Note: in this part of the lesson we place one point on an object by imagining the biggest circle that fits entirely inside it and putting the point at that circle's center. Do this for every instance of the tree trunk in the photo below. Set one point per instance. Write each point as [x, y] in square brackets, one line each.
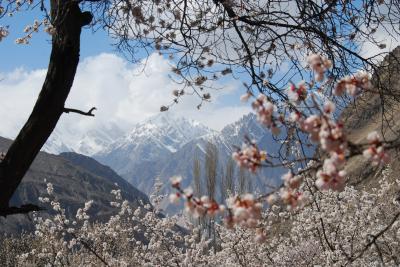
[68, 21]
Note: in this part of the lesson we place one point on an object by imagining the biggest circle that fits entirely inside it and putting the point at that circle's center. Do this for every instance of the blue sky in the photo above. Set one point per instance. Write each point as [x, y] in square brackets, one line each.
[36, 54]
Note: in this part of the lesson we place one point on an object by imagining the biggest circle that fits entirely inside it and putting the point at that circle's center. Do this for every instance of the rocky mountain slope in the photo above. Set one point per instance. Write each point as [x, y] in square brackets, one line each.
[367, 114]
[76, 180]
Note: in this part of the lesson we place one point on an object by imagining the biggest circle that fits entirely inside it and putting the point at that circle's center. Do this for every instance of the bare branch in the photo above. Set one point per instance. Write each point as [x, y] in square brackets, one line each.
[72, 110]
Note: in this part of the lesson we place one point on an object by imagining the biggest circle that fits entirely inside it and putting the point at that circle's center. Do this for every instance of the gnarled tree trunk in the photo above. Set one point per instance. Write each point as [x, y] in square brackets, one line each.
[68, 21]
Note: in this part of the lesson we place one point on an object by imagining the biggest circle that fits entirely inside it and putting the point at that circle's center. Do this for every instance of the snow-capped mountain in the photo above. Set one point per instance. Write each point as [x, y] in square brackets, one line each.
[165, 145]
[56, 143]
[63, 139]
[143, 151]
[227, 141]
[164, 131]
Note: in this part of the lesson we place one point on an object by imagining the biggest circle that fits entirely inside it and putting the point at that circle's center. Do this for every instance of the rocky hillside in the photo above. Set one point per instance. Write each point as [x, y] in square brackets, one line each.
[76, 180]
[376, 111]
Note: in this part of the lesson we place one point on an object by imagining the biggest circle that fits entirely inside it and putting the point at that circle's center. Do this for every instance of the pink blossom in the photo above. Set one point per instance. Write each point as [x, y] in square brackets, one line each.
[245, 211]
[249, 157]
[312, 125]
[291, 181]
[293, 198]
[272, 199]
[329, 107]
[265, 111]
[297, 93]
[376, 151]
[245, 97]
[332, 176]
[319, 64]
[353, 85]
[174, 198]
[176, 180]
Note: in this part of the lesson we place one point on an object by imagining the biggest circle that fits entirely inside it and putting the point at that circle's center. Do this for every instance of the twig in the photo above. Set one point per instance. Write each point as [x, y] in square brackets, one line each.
[88, 247]
[373, 238]
[89, 113]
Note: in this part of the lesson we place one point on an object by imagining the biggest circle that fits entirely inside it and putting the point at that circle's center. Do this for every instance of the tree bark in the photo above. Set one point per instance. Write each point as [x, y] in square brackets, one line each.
[68, 21]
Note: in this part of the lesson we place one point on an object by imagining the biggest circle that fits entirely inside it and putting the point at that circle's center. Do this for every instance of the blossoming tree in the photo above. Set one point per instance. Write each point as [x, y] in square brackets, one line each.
[356, 231]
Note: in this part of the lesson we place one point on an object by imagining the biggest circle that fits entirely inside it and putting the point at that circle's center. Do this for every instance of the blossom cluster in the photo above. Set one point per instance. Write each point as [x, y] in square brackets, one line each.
[265, 113]
[297, 93]
[81, 213]
[319, 123]
[34, 28]
[198, 207]
[332, 176]
[203, 206]
[376, 151]
[249, 156]
[354, 84]
[319, 64]
[244, 211]
[178, 93]
[3, 33]
[132, 236]
[329, 134]
[290, 193]
[337, 231]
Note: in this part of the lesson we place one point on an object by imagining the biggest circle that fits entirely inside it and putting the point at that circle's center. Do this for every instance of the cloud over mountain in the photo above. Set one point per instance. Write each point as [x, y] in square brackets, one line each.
[124, 94]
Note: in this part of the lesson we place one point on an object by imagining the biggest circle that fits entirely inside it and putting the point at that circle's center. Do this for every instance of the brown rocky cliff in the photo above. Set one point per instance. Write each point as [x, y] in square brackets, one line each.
[375, 111]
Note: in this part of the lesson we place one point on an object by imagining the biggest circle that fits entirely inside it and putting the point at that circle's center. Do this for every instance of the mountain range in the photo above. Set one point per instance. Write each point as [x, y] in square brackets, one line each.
[165, 145]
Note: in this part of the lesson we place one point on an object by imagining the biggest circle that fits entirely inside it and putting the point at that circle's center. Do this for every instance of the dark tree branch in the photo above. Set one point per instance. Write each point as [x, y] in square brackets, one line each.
[20, 210]
[89, 113]
[88, 247]
[374, 237]
[68, 21]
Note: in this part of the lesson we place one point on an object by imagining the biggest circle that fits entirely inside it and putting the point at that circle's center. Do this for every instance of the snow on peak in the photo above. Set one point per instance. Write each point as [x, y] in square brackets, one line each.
[88, 143]
[163, 132]
[166, 130]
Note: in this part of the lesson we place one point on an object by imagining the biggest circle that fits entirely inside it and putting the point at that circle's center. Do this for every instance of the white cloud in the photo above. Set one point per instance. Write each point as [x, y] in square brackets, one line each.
[387, 36]
[18, 92]
[217, 118]
[369, 49]
[122, 93]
